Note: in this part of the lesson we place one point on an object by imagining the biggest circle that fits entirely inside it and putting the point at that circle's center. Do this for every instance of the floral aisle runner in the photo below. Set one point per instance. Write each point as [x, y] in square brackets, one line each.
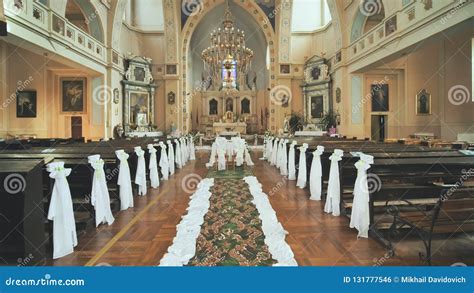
[237, 227]
[232, 231]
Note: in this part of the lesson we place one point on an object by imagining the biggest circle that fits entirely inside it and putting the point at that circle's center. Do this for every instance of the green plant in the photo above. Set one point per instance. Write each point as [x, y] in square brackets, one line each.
[329, 119]
[296, 122]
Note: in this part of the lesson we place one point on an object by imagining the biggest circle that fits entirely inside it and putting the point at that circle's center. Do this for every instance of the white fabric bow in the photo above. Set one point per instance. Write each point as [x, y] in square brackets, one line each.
[192, 149]
[274, 152]
[184, 151]
[360, 217]
[170, 157]
[269, 148]
[333, 198]
[153, 167]
[291, 162]
[164, 164]
[248, 159]
[100, 197]
[178, 154]
[140, 176]
[284, 159]
[301, 183]
[61, 211]
[124, 181]
[315, 184]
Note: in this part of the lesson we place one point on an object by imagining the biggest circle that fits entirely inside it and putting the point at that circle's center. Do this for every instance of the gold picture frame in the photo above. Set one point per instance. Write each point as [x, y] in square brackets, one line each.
[423, 103]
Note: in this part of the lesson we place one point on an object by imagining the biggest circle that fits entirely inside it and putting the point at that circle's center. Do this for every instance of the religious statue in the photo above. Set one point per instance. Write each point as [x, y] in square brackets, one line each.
[286, 124]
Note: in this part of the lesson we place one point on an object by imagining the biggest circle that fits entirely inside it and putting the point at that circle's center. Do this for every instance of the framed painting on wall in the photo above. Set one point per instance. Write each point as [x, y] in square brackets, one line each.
[423, 103]
[379, 93]
[26, 104]
[73, 95]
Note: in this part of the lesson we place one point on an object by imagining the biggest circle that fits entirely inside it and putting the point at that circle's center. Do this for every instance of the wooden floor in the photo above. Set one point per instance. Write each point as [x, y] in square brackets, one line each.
[141, 236]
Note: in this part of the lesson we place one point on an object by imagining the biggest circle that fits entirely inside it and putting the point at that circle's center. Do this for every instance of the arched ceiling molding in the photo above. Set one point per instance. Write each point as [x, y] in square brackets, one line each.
[336, 23]
[285, 31]
[251, 7]
[93, 12]
[363, 11]
[116, 25]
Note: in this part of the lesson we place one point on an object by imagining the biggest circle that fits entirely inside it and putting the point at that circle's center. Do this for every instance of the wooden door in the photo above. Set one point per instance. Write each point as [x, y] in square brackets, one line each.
[76, 127]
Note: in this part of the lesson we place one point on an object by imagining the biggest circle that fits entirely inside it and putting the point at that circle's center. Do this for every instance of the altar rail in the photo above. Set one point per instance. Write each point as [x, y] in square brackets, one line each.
[50, 24]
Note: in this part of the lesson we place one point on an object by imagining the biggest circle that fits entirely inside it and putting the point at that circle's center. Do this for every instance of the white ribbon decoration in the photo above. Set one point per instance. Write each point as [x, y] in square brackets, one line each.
[184, 151]
[221, 159]
[170, 157]
[291, 162]
[248, 158]
[177, 154]
[301, 183]
[333, 198]
[192, 149]
[124, 181]
[61, 211]
[140, 176]
[269, 149]
[315, 175]
[164, 164]
[153, 167]
[212, 158]
[100, 197]
[360, 218]
[274, 152]
[284, 159]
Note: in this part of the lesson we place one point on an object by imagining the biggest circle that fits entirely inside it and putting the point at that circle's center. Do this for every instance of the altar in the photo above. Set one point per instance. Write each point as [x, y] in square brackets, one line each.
[229, 127]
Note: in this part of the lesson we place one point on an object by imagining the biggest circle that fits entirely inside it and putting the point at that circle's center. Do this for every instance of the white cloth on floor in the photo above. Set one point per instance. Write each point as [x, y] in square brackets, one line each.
[170, 157]
[177, 154]
[284, 159]
[164, 164]
[124, 181]
[291, 161]
[301, 183]
[61, 211]
[274, 152]
[153, 167]
[192, 149]
[333, 198]
[100, 197]
[140, 176]
[360, 218]
[316, 173]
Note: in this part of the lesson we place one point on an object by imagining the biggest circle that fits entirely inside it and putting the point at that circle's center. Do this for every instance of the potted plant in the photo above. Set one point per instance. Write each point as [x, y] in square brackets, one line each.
[329, 120]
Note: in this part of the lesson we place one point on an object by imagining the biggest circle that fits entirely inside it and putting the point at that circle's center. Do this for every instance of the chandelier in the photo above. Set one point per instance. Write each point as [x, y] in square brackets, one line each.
[227, 59]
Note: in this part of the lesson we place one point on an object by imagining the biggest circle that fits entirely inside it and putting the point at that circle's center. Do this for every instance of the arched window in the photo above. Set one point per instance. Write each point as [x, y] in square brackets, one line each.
[245, 106]
[309, 15]
[213, 107]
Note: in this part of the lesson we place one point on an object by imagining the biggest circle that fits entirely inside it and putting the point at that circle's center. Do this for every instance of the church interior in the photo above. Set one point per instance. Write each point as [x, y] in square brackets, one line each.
[236, 133]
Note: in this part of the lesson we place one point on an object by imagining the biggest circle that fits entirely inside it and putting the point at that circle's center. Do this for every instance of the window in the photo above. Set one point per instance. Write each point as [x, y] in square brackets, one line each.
[309, 15]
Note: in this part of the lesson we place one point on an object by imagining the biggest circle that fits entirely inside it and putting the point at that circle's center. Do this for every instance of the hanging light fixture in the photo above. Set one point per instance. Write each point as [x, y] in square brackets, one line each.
[227, 59]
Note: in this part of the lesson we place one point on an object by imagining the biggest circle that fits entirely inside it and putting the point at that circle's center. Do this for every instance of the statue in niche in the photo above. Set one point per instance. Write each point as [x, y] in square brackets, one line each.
[245, 106]
[286, 124]
[229, 105]
[213, 107]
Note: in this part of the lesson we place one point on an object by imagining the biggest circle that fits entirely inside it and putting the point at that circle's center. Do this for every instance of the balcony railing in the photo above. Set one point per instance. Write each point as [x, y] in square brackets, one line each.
[39, 17]
[411, 15]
